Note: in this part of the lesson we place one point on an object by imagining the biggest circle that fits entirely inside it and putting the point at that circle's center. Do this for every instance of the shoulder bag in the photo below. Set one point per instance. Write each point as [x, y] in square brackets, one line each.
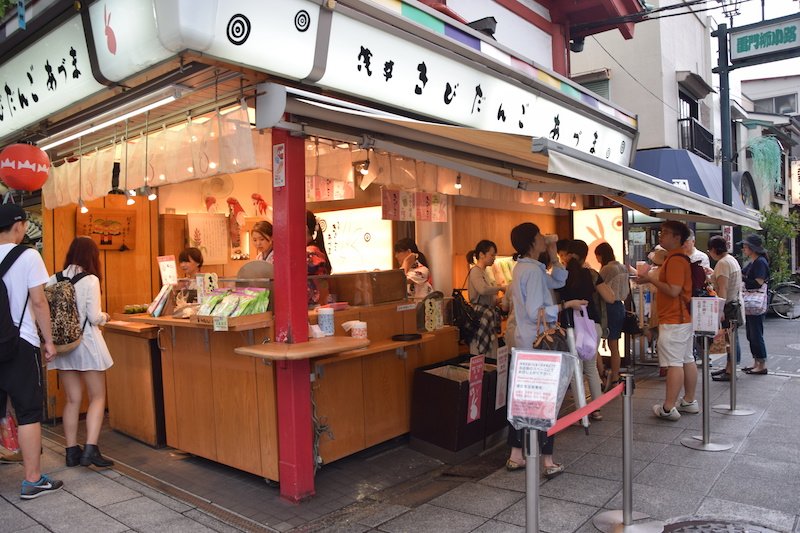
[755, 300]
[550, 337]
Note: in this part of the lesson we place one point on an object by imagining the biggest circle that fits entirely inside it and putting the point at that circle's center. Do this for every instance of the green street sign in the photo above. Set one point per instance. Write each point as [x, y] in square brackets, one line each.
[764, 38]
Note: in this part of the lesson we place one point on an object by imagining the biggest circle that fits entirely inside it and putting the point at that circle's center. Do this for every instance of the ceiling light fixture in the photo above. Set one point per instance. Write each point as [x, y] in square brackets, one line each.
[363, 167]
[139, 106]
[541, 198]
[553, 199]
[458, 182]
[573, 203]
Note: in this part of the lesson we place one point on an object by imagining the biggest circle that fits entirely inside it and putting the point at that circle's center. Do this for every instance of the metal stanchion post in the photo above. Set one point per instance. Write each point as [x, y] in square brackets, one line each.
[609, 521]
[704, 442]
[731, 409]
[531, 442]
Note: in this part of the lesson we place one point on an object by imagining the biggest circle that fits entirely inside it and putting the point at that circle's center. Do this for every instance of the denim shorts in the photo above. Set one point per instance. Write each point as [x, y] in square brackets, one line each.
[615, 316]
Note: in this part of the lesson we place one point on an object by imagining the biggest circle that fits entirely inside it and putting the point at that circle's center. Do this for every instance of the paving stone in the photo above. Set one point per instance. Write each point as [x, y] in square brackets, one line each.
[378, 513]
[660, 431]
[758, 492]
[495, 526]
[581, 489]
[38, 528]
[99, 491]
[733, 440]
[690, 480]
[728, 510]
[183, 525]
[13, 519]
[477, 499]
[160, 497]
[141, 513]
[555, 516]
[63, 512]
[679, 455]
[642, 451]
[768, 449]
[776, 470]
[658, 503]
[603, 466]
[573, 439]
[431, 518]
[210, 522]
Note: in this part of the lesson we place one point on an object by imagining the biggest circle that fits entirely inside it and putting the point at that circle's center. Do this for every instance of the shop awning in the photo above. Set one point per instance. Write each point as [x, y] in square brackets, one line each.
[515, 161]
[685, 170]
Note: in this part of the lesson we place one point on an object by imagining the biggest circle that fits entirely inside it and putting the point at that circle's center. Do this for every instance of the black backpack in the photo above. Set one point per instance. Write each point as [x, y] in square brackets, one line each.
[9, 330]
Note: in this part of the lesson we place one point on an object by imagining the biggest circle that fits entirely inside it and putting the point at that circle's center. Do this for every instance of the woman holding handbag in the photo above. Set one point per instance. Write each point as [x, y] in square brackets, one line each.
[755, 275]
[88, 362]
[530, 293]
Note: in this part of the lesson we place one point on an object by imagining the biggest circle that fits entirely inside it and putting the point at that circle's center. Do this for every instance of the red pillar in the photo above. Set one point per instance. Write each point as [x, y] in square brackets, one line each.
[295, 452]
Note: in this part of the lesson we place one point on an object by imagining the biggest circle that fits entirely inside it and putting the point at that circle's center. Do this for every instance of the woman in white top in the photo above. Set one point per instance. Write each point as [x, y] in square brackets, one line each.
[86, 363]
[415, 265]
[728, 284]
[262, 238]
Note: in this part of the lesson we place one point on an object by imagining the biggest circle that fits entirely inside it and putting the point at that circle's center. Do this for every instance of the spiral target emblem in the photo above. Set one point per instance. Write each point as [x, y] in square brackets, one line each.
[238, 29]
[367, 237]
[302, 20]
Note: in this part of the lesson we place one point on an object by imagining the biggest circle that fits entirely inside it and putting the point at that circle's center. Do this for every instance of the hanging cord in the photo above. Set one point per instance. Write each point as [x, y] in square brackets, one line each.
[320, 428]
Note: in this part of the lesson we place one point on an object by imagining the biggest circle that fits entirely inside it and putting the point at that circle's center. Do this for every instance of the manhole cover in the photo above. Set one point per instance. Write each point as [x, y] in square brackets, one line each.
[714, 526]
[793, 346]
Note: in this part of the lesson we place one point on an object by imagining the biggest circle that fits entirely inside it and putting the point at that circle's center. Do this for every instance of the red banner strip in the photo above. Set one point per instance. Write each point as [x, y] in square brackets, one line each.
[574, 416]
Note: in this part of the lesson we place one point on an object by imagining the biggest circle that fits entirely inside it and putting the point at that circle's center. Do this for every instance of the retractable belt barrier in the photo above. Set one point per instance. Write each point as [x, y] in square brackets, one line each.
[592, 406]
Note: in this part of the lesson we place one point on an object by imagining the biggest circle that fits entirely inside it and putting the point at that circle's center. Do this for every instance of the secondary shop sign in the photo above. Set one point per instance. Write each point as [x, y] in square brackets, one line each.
[534, 386]
[762, 39]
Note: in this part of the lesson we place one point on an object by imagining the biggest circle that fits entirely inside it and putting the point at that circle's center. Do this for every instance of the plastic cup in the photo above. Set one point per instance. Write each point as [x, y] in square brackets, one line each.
[325, 320]
[642, 267]
[359, 330]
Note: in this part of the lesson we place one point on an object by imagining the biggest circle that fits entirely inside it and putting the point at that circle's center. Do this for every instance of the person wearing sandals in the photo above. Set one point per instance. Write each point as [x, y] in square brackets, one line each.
[531, 291]
[755, 274]
[87, 363]
[728, 284]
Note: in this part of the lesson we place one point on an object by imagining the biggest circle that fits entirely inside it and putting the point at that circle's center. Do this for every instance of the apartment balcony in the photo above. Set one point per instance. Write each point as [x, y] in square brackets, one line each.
[695, 138]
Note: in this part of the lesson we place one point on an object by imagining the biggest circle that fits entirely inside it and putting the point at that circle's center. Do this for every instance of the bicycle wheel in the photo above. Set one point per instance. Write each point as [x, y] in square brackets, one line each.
[786, 301]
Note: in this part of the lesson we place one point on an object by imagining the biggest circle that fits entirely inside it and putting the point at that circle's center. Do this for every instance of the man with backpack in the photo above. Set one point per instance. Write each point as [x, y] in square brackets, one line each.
[673, 281]
[22, 298]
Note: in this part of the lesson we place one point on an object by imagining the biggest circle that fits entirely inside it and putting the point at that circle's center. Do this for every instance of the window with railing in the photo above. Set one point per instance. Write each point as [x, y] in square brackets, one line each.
[695, 138]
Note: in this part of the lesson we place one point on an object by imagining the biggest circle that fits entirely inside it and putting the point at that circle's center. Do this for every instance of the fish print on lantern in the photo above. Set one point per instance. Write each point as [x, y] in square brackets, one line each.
[449, 92]
[555, 133]
[388, 67]
[365, 56]
[577, 137]
[501, 115]
[423, 77]
[478, 100]
[594, 144]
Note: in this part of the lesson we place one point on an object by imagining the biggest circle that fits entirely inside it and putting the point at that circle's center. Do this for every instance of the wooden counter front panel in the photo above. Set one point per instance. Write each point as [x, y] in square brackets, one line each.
[266, 388]
[194, 398]
[131, 403]
[164, 340]
[235, 403]
[385, 397]
[338, 393]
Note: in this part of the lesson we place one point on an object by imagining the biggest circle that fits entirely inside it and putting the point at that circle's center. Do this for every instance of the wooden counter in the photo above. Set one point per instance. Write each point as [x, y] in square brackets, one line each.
[220, 387]
[134, 383]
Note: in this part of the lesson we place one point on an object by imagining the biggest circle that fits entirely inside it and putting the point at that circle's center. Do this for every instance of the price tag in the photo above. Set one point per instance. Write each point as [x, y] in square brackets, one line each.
[220, 323]
[406, 307]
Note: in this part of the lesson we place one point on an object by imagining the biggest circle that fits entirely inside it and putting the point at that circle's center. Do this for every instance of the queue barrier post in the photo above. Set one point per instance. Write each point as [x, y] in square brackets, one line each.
[703, 442]
[623, 521]
[532, 480]
[731, 408]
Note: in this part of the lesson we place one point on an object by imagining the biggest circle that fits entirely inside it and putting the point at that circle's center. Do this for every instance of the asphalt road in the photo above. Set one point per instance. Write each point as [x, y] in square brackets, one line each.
[783, 346]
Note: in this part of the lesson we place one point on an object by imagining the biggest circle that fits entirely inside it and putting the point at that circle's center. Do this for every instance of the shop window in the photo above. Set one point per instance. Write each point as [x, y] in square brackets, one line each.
[781, 105]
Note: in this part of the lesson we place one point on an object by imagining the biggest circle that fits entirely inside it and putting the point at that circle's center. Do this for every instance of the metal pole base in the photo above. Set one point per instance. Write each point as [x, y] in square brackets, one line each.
[611, 521]
[696, 443]
[725, 409]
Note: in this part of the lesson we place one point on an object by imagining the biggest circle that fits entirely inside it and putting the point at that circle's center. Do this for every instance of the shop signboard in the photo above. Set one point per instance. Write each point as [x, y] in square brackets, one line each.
[794, 182]
[51, 74]
[370, 62]
[755, 40]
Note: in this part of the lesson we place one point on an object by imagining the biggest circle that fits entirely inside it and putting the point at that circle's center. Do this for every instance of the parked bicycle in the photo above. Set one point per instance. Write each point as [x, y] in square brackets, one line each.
[784, 299]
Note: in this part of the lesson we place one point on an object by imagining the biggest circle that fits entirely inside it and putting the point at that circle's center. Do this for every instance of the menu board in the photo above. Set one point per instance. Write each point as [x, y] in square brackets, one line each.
[420, 206]
[209, 233]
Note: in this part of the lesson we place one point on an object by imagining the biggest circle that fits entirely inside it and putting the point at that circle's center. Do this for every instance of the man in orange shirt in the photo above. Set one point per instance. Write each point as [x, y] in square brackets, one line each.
[673, 281]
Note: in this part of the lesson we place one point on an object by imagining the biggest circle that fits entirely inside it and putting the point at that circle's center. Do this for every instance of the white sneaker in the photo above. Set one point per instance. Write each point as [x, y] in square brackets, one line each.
[672, 415]
[688, 407]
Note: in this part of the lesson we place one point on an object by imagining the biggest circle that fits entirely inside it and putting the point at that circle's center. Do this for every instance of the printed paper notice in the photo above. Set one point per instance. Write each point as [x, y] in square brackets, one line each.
[705, 315]
[476, 365]
[209, 233]
[534, 385]
[502, 378]
[168, 269]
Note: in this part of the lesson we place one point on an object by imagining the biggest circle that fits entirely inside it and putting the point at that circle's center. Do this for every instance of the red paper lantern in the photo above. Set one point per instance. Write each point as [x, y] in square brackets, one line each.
[24, 167]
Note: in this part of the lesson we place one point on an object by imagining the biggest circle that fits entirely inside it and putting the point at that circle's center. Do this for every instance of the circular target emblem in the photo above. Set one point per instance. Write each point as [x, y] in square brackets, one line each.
[323, 226]
[367, 237]
[302, 20]
[238, 29]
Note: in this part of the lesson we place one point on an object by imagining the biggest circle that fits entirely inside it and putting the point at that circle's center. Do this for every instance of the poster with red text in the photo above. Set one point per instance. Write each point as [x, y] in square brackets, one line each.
[424, 207]
[476, 365]
[534, 385]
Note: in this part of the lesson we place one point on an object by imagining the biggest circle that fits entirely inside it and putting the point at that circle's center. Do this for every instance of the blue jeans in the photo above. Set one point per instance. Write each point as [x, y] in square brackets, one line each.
[755, 336]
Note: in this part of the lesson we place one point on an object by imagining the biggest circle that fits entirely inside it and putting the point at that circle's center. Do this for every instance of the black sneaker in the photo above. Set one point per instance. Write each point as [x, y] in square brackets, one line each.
[43, 486]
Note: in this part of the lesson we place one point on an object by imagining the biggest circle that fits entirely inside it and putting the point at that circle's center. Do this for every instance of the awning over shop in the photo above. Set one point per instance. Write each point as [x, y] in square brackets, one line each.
[684, 170]
[515, 161]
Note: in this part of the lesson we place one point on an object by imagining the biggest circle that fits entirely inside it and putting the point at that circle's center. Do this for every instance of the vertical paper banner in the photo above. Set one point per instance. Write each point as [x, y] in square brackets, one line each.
[424, 207]
[475, 387]
[407, 209]
[438, 207]
[502, 378]
[390, 203]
